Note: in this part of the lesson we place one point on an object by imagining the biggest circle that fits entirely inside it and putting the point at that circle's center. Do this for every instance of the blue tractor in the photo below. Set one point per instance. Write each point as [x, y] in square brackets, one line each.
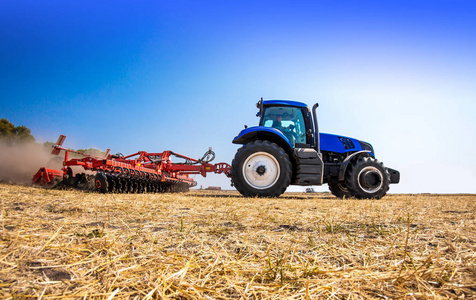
[287, 149]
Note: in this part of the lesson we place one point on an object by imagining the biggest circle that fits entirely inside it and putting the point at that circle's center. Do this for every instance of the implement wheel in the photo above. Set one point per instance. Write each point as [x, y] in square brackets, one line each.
[367, 178]
[262, 169]
[100, 182]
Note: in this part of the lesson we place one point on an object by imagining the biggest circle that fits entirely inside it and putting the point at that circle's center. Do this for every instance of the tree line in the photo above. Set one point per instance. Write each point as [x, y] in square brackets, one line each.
[12, 134]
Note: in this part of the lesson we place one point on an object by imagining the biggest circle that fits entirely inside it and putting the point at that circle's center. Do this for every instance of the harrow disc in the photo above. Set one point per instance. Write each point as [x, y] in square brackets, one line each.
[111, 187]
[68, 178]
[118, 184]
[134, 186]
[82, 181]
[101, 183]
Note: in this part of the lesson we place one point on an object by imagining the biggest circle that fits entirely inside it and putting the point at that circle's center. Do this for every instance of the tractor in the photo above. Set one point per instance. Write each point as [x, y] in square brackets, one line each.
[288, 149]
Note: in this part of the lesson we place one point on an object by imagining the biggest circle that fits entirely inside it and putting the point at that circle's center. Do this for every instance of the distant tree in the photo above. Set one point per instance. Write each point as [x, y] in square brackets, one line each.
[12, 133]
[23, 133]
[6, 128]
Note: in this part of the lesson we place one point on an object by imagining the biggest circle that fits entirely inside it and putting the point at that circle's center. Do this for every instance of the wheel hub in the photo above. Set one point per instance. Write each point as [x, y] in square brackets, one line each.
[261, 170]
[370, 179]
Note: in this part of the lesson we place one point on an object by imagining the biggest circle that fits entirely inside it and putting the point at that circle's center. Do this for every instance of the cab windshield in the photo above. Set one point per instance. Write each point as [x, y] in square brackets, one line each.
[288, 120]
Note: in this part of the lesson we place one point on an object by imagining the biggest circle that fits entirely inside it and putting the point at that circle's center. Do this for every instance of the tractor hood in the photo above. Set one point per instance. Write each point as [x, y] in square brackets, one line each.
[342, 144]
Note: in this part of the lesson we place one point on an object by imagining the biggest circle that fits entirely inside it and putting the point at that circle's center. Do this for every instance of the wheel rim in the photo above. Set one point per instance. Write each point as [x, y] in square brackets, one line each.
[370, 179]
[261, 170]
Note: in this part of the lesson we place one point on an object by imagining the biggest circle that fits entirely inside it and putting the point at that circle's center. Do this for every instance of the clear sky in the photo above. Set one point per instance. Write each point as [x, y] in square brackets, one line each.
[185, 75]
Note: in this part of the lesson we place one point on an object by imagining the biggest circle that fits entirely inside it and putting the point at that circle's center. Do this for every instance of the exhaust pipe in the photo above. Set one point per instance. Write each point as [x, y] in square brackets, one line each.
[317, 140]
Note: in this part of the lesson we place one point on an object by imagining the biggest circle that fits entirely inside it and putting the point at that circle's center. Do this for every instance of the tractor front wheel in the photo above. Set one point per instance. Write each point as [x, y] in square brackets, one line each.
[367, 178]
[262, 169]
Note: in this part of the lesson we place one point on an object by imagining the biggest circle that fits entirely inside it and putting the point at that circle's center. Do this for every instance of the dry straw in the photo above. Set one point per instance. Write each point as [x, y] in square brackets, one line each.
[204, 245]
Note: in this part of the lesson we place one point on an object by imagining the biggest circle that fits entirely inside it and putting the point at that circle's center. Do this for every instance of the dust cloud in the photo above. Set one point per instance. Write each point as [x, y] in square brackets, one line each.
[20, 161]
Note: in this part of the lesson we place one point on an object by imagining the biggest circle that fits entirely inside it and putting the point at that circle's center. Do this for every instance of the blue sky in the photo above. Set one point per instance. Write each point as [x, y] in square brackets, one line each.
[185, 75]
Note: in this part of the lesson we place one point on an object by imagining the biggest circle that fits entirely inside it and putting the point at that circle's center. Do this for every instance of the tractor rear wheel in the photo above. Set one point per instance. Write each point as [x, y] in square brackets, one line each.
[367, 178]
[262, 169]
[339, 190]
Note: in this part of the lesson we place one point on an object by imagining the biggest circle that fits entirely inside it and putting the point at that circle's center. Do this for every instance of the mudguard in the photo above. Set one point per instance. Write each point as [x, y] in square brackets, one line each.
[263, 133]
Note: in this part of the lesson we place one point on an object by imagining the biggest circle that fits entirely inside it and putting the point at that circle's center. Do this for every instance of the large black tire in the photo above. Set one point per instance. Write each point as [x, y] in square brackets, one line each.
[367, 178]
[262, 169]
[339, 190]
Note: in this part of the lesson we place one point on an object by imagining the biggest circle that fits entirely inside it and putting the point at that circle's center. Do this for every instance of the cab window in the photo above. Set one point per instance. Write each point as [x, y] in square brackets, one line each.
[288, 120]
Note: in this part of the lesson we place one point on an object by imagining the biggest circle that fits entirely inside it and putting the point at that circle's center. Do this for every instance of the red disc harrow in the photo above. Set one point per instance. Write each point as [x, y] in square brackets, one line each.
[141, 172]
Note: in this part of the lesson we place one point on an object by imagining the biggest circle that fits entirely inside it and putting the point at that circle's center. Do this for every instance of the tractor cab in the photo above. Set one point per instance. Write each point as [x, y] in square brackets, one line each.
[287, 119]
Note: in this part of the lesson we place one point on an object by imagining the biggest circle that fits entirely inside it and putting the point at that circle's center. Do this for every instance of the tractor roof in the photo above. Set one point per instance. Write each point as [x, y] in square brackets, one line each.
[284, 102]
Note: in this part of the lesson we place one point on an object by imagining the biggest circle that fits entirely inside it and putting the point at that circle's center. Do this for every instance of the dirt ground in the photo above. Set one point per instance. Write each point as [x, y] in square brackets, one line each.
[219, 245]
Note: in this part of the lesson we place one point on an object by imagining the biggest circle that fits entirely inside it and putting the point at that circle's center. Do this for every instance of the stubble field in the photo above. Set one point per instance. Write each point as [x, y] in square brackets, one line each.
[219, 245]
